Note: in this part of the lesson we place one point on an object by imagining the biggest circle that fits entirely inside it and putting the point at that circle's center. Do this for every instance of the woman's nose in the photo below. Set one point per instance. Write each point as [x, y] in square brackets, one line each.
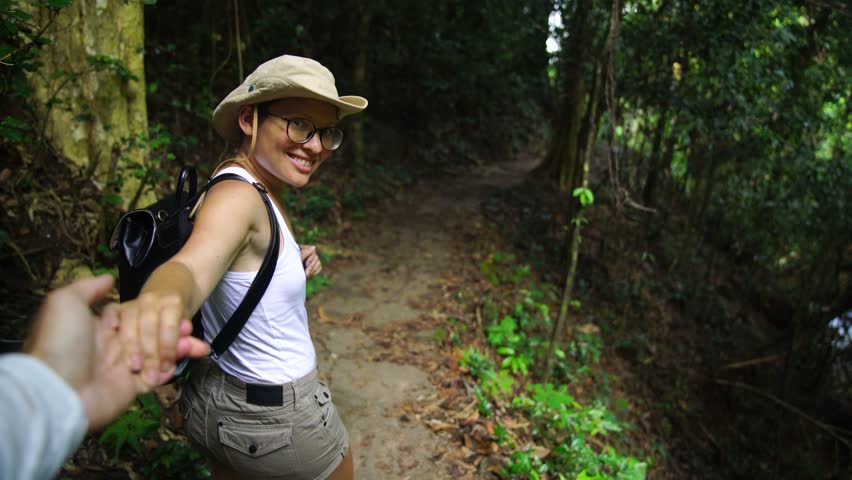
[314, 144]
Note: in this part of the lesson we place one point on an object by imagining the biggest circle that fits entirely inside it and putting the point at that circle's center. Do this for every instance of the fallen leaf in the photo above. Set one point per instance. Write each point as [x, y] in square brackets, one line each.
[540, 451]
[323, 317]
[471, 419]
[438, 425]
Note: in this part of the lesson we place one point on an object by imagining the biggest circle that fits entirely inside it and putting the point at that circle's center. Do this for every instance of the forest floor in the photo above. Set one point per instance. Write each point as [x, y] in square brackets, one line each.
[374, 325]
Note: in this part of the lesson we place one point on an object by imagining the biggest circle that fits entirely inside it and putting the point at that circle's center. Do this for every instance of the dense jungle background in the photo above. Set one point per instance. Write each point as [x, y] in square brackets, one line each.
[632, 219]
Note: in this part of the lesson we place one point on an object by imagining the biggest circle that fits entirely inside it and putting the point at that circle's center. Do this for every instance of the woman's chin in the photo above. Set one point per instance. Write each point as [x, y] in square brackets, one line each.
[299, 180]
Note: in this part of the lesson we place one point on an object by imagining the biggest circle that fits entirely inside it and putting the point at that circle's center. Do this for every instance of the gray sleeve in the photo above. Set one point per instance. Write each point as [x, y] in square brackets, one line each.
[42, 419]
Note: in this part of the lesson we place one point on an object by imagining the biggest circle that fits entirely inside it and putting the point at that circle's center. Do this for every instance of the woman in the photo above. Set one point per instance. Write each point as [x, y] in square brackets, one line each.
[257, 411]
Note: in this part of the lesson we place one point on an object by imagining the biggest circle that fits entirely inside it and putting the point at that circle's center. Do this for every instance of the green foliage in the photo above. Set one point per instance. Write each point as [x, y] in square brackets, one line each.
[483, 404]
[559, 420]
[585, 348]
[106, 63]
[550, 397]
[440, 335]
[139, 422]
[315, 284]
[12, 130]
[443, 94]
[519, 337]
[495, 383]
[136, 429]
[57, 4]
[514, 361]
[174, 459]
[21, 43]
[145, 156]
[501, 268]
[312, 235]
[585, 195]
[524, 464]
[478, 364]
[504, 333]
[311, 204]
[508, 342]
[586, 198]
[369, 183]
[757, 140]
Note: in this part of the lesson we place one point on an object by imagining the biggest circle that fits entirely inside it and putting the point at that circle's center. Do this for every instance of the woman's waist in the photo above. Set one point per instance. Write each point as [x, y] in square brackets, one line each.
[271, 394]
[267, 369]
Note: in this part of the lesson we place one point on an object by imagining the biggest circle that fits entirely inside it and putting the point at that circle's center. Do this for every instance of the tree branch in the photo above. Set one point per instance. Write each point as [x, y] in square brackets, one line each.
[829, 429]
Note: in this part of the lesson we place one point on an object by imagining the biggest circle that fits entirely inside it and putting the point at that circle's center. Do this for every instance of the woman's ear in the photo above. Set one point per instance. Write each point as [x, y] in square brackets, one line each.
[245, 118]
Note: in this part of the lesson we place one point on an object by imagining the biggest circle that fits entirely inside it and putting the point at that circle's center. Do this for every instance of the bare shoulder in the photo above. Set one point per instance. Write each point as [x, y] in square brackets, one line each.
[231, 203]
[224, 225]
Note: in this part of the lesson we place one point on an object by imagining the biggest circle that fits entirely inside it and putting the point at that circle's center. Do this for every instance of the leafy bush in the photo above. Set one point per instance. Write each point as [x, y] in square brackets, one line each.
[138, 430]
[502, 268]
[562, 423]
[569, 436]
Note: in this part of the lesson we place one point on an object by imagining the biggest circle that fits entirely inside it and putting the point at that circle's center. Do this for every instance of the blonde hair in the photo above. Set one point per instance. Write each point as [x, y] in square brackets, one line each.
[241, 159]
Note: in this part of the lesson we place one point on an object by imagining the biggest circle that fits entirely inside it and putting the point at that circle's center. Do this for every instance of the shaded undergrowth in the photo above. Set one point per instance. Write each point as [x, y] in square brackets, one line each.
[689, 354]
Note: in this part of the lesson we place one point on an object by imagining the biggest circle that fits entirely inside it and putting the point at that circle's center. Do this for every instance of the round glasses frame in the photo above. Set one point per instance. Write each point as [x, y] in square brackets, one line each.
[330, 138]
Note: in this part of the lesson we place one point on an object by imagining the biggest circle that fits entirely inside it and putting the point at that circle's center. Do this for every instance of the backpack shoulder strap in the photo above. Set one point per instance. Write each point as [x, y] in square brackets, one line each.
[258, 286]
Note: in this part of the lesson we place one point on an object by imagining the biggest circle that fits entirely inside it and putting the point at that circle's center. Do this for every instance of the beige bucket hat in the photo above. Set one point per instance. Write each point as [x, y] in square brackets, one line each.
[286, 76]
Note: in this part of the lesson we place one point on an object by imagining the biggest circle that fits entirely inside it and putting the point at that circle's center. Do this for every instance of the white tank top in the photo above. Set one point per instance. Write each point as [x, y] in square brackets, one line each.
[274, 346]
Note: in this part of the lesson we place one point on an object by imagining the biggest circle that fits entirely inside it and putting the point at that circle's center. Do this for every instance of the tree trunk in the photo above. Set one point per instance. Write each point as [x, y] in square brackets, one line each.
[565, 149]
[656, 162]
[562, 154]
[636, 158]
[567, 292]
[707, 193]
[359, 80]
[90, 109]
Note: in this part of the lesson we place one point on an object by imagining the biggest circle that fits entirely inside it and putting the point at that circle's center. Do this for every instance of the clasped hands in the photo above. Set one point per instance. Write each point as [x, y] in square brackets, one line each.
[87, 351]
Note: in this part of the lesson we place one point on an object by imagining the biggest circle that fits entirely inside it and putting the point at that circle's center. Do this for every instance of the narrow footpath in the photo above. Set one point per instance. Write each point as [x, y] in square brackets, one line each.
[393, 263]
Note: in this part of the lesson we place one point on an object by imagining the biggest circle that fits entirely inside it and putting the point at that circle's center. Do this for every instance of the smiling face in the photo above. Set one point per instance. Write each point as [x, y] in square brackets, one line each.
[278, 159]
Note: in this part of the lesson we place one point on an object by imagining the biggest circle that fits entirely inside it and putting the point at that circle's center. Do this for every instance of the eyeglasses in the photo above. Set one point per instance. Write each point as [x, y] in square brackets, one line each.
[301, 130]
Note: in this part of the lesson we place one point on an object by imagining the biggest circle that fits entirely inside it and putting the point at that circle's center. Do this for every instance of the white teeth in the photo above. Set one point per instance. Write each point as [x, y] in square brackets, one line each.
[303, 162]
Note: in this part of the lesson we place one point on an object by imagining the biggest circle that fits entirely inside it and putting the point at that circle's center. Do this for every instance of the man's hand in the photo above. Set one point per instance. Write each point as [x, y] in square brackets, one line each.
[63, 332]
[311, 260]
[87, 352]
[112, 387]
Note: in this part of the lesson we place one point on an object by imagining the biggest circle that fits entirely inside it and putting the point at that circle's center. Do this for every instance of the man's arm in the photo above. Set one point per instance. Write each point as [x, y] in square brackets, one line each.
[42, 419]
[75, 378]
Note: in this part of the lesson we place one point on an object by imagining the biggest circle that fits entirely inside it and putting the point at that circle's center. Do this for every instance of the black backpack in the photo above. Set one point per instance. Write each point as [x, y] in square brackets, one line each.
[148, 237]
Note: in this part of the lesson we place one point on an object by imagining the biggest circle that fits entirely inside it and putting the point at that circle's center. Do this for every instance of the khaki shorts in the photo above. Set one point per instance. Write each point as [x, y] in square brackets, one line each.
[282, 432]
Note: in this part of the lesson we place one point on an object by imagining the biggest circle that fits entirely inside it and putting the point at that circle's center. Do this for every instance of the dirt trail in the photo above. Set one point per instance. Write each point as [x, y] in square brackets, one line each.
[401, 253]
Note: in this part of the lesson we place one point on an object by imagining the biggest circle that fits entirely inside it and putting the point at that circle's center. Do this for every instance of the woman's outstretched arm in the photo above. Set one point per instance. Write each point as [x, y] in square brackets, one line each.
[224, 227]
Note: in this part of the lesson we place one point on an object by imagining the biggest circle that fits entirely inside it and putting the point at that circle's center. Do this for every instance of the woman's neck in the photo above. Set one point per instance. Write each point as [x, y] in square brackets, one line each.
[273, 185]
